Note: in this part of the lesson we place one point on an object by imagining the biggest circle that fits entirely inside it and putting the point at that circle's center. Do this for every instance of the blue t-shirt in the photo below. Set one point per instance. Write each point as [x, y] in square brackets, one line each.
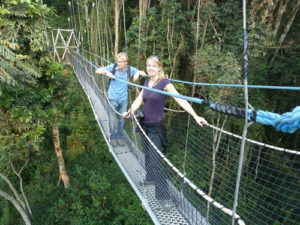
[117, 89]
[154, 102]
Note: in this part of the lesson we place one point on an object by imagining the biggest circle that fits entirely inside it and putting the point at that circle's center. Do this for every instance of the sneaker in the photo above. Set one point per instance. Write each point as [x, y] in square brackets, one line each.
[166, 205]
[113, 143]
[120, 142]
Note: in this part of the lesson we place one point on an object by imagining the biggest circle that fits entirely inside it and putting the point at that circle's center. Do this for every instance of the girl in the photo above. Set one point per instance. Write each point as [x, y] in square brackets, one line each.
[153, 125]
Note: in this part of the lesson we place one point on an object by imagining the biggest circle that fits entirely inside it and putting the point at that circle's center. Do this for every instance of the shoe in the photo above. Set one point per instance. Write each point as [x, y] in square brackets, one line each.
[147, 182]
[167, 205]
[113, 143]
[120, 142]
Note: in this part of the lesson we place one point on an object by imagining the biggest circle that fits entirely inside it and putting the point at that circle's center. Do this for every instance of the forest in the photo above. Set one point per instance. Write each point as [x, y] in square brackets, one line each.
[55, 166]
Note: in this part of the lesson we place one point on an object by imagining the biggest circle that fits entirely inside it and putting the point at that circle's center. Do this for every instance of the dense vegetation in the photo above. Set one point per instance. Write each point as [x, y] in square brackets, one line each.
[38, 94]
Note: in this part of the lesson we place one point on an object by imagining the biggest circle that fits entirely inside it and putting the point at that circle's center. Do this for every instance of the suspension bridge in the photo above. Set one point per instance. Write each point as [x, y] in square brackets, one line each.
[213, 176]
[201, 180]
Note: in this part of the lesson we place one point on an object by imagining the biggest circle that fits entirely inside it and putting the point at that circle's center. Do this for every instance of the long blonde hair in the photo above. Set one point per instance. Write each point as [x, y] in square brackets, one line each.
[156, 59]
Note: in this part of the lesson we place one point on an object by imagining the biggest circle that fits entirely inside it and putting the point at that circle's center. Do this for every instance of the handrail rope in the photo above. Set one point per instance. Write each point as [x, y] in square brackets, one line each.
[190, 183]
[289, 88]
[288, 122]
[249, 140]
[256, 142]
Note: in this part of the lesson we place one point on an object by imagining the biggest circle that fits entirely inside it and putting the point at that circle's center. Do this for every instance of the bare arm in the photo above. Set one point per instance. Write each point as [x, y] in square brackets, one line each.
[135, 105]
[102, 71]
[137, 75]
[185, 105]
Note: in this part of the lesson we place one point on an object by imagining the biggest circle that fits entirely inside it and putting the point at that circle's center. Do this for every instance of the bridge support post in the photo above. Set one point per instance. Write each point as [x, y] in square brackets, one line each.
[60, 45]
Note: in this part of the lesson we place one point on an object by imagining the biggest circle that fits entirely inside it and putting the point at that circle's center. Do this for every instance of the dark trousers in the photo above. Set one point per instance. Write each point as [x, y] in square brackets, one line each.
[153, 162]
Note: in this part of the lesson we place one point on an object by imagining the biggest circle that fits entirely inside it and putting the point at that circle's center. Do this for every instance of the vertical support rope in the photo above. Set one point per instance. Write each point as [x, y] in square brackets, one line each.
[245, 74]
[98, 29]
[139, 40]
[75, 27]
[106, 28]
[124, 21]
[71, 17]
[193, 91]
[79, 24]
[87, 24]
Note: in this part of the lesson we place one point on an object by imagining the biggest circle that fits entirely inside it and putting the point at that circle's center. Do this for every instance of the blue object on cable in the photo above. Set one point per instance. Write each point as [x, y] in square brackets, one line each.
[288, 122]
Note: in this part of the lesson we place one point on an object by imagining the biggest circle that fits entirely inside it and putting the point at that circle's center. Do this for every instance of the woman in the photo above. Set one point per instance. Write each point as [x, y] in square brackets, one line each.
[153, 125]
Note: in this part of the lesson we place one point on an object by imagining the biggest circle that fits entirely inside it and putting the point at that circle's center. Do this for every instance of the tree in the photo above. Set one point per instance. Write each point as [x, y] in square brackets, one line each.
[24, 109]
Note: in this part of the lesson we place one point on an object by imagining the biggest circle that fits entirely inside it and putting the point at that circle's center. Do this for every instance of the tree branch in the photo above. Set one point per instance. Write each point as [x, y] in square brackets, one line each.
[12, 188]
[21, 183]
[17, 206]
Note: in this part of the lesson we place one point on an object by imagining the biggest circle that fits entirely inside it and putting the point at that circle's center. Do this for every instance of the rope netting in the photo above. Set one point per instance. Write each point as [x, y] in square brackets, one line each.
[197, 173]
[269, 189]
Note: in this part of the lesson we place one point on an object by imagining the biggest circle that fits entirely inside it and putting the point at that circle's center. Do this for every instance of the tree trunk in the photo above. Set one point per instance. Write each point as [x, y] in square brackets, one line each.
[287, 28]
[176, 54]
[216, 143]
[116, 26]
[280, 12]
[61, 163]
[143, 8]
[17, 206]
[289, 23]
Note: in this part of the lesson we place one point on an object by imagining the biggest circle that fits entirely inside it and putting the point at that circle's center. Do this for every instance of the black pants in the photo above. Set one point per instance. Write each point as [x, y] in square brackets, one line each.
[153, 162]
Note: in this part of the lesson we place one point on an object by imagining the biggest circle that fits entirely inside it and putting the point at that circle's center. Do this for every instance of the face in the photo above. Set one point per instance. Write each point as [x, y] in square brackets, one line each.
[152, 67]
[121, 62]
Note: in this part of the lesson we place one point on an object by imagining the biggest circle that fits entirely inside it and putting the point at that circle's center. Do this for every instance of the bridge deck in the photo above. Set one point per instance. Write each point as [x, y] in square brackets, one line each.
[132, 165]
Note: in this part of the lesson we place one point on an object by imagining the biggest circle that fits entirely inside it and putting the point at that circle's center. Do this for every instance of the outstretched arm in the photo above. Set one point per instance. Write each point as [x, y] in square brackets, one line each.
[185, 105]
[135, 105]
[102, 71]
[137, 75]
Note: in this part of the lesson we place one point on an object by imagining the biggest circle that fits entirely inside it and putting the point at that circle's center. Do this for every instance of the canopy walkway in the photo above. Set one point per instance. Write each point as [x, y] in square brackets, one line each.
[201, 167]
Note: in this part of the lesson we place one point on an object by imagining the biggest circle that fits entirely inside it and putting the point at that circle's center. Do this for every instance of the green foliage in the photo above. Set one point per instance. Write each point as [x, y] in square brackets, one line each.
[36, 92]
[24, 25]
[216, 66]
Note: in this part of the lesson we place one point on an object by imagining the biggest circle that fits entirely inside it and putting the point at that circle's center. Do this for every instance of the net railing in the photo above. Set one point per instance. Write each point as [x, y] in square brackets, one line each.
[198, 171]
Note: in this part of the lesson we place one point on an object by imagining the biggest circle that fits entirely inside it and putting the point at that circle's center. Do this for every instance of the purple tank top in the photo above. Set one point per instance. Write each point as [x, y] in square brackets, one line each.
[154, 102]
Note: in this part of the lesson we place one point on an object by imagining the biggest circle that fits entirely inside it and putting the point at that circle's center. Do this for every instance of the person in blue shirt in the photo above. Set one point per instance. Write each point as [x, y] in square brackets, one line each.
[118, 94]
